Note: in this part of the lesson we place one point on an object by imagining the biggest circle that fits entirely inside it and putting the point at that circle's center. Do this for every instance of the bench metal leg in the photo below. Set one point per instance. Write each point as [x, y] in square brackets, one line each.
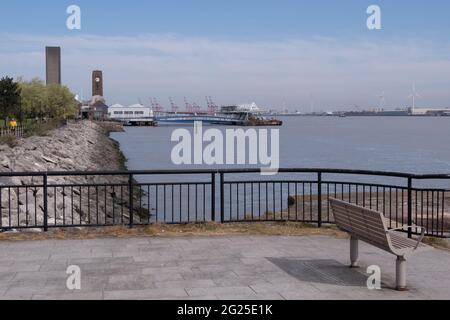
[354, 252]
[401, 274]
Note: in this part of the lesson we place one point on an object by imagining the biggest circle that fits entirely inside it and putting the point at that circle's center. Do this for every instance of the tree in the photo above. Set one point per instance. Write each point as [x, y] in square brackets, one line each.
[52, 101]
[33, 98]
[10, 98]
[60, 101]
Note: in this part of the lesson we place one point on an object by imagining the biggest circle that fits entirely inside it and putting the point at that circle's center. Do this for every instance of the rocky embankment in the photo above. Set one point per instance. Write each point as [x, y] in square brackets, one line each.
[81, 146]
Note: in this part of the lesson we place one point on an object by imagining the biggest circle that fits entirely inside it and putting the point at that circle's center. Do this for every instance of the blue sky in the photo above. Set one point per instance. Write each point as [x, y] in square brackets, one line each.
[251, 19]
[274, 52]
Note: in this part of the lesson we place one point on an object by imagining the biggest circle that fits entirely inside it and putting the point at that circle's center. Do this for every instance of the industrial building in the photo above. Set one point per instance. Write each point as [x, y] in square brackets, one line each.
[53, 65]
[430, 112]
[136, 114]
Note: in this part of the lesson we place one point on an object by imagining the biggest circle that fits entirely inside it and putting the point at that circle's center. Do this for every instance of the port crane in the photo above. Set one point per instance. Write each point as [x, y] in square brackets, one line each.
[212, 107]
[156, 107]
[175, 108]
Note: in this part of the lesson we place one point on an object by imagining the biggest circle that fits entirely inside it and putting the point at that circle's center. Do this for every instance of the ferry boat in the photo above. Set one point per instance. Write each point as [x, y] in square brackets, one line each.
[244, 115]
[234, 115]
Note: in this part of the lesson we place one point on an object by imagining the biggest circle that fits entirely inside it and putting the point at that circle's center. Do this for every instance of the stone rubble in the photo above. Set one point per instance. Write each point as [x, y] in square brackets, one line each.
[80, 146]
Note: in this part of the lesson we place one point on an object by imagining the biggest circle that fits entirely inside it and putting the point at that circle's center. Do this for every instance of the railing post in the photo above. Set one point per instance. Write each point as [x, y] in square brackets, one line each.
[130, 195]
[319, 199]
[45, 182]
[222, 198]
[410, 205]
[213, 197]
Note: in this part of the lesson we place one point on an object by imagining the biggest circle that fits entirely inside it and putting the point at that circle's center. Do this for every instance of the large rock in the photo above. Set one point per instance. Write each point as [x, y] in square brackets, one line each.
[79, 146]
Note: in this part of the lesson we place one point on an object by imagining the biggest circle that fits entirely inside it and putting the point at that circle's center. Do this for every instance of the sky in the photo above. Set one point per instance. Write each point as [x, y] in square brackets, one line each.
[293, 54]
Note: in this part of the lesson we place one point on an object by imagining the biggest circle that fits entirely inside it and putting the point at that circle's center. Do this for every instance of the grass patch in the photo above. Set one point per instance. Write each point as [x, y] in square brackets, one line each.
[195, 230]
[160, 230]
[438, 243]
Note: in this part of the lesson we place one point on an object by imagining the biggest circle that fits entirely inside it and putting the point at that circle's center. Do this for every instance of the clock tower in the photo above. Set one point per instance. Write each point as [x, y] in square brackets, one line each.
[97, 83]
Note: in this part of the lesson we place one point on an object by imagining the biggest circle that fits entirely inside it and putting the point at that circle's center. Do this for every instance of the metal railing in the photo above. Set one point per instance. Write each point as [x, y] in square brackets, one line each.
[47, 200]
[27, 126]
[18, 132]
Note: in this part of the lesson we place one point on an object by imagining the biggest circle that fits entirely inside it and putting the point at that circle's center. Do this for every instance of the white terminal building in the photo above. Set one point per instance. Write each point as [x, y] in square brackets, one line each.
[430, 111]
[134, 114]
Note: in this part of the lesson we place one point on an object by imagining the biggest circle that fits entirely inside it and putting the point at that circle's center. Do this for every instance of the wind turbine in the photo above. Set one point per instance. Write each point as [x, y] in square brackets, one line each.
[413, 96]
[311, 103]
[382, 98]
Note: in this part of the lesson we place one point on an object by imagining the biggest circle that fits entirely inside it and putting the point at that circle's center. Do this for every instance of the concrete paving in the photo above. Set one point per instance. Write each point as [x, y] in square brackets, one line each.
[218, 268]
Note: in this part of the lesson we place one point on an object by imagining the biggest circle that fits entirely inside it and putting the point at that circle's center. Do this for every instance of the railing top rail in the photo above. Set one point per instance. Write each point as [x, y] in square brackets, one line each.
[345, 171]
[227, 171]
[104, 173]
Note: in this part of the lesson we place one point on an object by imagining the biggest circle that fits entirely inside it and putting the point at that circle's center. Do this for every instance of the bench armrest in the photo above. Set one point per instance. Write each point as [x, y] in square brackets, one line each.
[422, 235]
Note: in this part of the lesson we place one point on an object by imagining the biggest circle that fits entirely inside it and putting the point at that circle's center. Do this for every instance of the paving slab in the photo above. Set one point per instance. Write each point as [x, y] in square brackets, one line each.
[213, 268]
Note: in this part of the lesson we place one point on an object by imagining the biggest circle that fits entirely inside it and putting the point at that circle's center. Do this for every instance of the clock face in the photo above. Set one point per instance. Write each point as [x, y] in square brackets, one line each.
[97, 79]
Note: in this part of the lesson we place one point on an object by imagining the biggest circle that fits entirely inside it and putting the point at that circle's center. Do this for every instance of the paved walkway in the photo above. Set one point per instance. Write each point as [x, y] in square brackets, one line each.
[234, 267]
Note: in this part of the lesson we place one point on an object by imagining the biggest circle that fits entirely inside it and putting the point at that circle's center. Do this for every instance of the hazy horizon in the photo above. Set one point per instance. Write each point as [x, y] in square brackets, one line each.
[281, 56]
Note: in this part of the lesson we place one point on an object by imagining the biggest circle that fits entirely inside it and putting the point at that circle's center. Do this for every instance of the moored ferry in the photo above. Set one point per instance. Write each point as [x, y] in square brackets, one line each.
[234, 115]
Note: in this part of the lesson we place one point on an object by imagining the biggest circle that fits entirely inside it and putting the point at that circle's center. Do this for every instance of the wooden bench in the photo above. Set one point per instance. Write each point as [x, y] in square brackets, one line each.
[372, 227]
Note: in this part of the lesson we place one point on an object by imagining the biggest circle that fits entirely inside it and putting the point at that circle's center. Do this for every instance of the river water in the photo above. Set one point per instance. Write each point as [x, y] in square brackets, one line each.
[405, 144]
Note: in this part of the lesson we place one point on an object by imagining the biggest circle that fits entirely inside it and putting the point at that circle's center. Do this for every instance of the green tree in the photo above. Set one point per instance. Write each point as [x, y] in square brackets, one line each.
[52, 101]
[33, 98]
[60, 101]
[10, 98]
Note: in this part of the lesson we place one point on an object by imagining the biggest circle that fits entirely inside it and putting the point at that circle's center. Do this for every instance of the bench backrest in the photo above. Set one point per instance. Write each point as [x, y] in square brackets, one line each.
[364, 224]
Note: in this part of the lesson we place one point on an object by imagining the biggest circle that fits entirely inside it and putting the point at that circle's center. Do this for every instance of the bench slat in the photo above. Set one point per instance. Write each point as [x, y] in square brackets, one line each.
[362, 216]
[400, 242]
[362, 222]
[359, 215]
[365, 224]
[362, 229]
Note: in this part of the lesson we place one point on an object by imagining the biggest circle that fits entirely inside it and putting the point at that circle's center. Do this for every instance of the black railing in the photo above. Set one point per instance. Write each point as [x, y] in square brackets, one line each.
[18, 131]
[92, 199]
[32, 126]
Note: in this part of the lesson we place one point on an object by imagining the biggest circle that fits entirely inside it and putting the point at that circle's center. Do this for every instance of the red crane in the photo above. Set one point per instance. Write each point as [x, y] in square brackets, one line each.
[156, 106]
[196, 108]
[174, 106]
[189, 107]
[153, 104]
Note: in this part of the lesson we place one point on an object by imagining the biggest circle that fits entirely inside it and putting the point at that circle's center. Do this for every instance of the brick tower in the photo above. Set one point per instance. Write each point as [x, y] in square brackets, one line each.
[97, 83]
